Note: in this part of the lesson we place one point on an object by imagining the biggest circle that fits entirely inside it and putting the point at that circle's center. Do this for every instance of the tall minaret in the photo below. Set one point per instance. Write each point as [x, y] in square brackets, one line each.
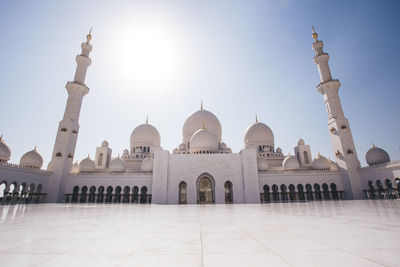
[339, 128]
[67, 134]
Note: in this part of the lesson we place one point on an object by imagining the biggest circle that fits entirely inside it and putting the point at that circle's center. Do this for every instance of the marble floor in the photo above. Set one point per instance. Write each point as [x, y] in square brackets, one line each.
[331, 233]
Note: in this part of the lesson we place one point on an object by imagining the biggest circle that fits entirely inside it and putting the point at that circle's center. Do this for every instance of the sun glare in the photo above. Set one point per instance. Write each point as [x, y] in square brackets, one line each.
[148, 55]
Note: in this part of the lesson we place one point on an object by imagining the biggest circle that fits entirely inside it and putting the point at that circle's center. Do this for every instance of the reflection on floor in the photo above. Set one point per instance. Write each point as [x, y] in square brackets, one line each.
[332, 233]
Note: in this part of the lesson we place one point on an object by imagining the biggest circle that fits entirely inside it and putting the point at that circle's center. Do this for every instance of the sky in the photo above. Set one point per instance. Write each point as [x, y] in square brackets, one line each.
[161, 58]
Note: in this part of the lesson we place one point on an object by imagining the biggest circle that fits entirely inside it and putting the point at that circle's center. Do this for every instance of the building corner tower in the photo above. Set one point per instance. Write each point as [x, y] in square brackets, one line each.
[339, 128]
[67, 133]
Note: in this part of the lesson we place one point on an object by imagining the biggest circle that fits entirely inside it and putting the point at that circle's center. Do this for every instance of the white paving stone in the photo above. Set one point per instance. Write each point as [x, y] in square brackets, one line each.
[332, 233]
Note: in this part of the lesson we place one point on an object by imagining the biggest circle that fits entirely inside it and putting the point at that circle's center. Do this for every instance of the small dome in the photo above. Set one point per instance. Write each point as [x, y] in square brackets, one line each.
[223, 145]
[321, 163]
[203, 140]
[87, 165]
[104, 143]
[31, 159]
[147, 165]
[126, 152]
[75, 167]
[300, 142]
[5, 151]
[334, 166]
[290, 163]
[262, 164]
[259, 133]
[376, 156]
[145, 135]
[182, 146]
[195, 120]
[118, 165]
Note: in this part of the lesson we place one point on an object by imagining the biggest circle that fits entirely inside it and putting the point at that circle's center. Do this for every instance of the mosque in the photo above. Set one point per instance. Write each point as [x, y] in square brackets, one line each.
[202, 169]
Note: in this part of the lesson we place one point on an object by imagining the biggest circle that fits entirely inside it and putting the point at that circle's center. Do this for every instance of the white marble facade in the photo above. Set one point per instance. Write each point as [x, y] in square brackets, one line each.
[202, 169]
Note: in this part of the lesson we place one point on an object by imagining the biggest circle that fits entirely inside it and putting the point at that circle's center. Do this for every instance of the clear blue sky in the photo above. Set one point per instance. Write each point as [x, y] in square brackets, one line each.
[162, 57]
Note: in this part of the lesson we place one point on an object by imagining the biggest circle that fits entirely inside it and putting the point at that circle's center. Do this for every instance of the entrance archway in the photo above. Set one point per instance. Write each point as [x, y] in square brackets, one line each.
[228, 192]
[205, 189]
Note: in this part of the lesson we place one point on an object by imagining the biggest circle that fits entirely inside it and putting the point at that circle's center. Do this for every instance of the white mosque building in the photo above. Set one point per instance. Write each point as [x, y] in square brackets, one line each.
[202, 169]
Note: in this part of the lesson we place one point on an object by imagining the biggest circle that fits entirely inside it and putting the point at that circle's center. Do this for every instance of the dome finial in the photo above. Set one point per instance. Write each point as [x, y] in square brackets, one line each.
[314, 34]
[147, 119]
[34, 149]
[89, 36]
[88, 156]
[256, 118]
[201, 104]
[319, 154]
[373, 145]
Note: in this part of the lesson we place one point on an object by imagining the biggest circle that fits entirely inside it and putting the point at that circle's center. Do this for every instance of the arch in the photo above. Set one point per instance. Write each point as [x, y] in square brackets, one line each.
[182, 192]
[228, 192]
[317, 189]
[334, 191]
[275, 193]
[108, 161]
[325, 190]
[371, 194]
[100, 195]
[31, 192]
[397, 182]
[3, 186]
[381, 191]
[205, 189]
[292, 192]
[143, 194]
[267, 197]
[117, 198]
[75, 192]
[109, 194]
[83, 194]
[125, 198]
[100, 160]
[309, 192]
[284, 192]
[389, 188]
[92, 194]
[300, 190]
[135, 194]
[306, 160]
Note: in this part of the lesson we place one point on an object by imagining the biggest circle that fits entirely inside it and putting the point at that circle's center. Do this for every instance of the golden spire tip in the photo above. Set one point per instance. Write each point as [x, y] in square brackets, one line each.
[201, 104]
[147, 119]
[256, 118]
[373, 145]
[89, 36]
[314, 34]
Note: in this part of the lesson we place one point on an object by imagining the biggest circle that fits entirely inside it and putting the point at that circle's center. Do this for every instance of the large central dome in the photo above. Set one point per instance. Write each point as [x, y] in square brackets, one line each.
[195, 121]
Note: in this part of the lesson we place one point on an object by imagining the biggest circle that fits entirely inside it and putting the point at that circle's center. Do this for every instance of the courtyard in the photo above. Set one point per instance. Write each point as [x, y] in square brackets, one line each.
[326, 233]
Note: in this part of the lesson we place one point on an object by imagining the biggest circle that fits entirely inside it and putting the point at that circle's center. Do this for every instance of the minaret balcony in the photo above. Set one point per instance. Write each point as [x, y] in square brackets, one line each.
[332, 84]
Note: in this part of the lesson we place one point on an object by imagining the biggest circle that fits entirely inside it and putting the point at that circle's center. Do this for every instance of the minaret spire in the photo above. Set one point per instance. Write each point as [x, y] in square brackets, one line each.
[341, 137]
[67, 134]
